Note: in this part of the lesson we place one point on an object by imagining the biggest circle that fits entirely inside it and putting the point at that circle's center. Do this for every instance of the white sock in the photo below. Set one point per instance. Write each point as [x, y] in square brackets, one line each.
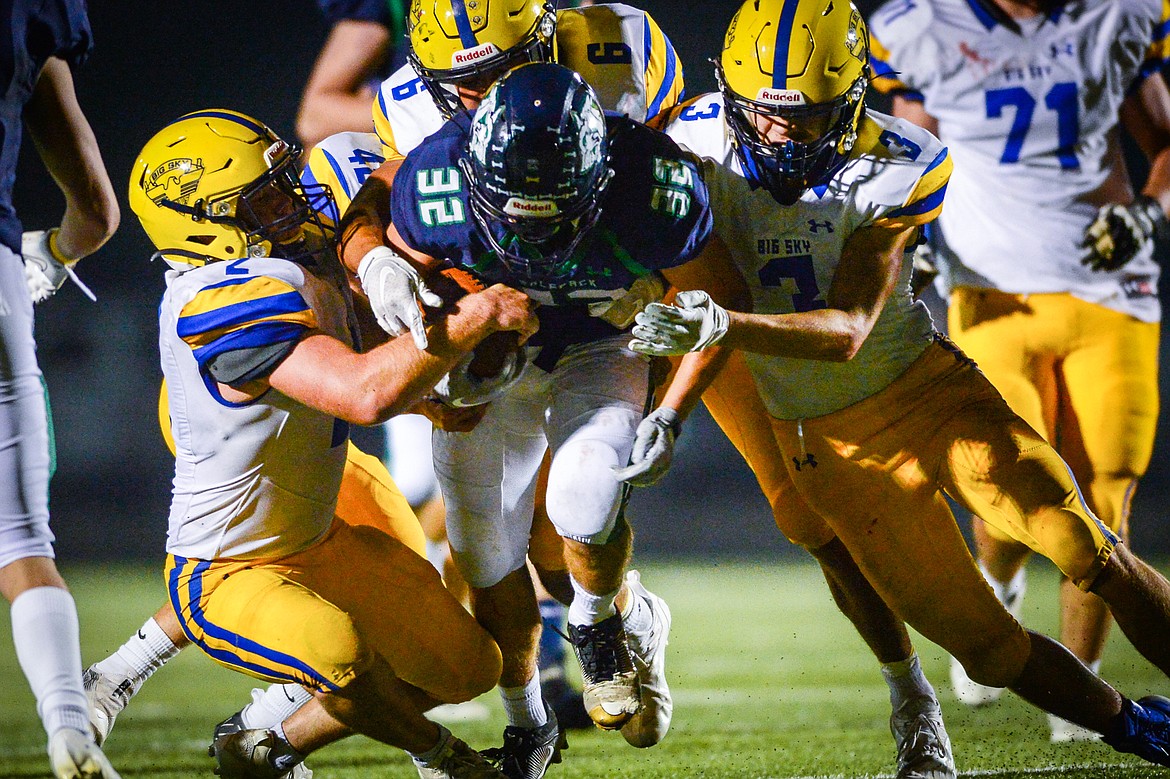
[425, 758]
[144, 653]
[48, 647]
[523, 705]
[589, 609]
[636, 618]
[906, 681]
[272, 706]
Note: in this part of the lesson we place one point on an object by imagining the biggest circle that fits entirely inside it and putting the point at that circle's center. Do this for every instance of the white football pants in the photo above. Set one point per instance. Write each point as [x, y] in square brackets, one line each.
[587, 410]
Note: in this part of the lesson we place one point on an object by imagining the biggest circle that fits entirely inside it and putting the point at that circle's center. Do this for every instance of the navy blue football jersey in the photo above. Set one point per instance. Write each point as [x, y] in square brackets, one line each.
[654, 216]
[34, 31]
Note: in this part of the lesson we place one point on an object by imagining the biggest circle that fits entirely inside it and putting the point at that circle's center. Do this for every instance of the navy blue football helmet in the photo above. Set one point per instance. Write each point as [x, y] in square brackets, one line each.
[537, 166]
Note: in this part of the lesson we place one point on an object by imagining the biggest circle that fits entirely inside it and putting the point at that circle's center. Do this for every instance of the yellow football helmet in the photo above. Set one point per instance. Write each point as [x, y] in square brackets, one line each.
[219, 185]
[475, 42]
[800, 67]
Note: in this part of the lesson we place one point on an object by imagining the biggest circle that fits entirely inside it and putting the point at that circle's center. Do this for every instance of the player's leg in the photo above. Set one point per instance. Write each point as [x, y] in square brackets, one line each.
[358, 617]
[874, 484]
[488, 477]
[1108, 418]
[923, 745]
[598, 398]
[1013, 345]
[44, 616]
[554, 593]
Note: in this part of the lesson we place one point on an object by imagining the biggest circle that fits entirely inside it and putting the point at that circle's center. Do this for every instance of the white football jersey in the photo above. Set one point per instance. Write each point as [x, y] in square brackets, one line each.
[343, 162]
[896, 177]
[1031, 119]
[258, 479]
[619, 50]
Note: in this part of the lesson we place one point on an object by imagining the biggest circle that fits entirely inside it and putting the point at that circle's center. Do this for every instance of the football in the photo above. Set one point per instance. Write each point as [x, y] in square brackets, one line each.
[492, 354]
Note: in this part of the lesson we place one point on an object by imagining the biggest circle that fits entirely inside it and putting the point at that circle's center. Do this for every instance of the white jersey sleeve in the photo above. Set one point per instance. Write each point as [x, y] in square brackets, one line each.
[342, 162]
[404, 113]
[788, 255]
[1030, 114]
[257, 479]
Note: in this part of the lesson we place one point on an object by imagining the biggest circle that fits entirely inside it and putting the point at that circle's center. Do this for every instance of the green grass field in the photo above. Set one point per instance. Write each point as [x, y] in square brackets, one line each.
[768, 681]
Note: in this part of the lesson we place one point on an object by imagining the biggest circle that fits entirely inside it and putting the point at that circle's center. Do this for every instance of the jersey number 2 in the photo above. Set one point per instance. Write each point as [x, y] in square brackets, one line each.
[800, 269]
[1062, 99]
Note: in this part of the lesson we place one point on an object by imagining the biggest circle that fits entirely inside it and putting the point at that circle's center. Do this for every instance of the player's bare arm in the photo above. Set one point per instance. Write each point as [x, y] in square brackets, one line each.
[1145, 115]
[865, 278]
[66, 144]
[914, 111]
[369, 388]
[338, 95]
[714, 272]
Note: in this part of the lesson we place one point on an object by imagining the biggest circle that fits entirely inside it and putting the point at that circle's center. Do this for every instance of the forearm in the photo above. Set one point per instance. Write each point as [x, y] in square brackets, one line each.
[695, 373]
[830, 335]
[363, 226]
[1158, 182]
[67, 146]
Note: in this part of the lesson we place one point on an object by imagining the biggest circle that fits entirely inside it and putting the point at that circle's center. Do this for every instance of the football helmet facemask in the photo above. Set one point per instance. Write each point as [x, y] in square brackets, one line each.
[219, 185]
[471, 43]
[537, 166]
[797, 69]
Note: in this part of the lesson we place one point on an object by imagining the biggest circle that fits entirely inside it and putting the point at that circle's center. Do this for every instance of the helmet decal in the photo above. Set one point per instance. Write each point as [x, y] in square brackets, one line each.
[175, 180]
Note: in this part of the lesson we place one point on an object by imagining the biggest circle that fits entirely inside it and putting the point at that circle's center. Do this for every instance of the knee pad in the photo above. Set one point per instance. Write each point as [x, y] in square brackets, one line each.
[584, 499]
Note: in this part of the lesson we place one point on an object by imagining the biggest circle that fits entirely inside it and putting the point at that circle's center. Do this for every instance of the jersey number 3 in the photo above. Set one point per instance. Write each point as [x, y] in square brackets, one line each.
[1062, 99]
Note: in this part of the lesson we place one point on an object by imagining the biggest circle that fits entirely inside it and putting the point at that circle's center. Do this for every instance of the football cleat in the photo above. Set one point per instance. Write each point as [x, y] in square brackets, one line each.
[106, 701]
[456, 760]
[1012, 597]
[648, 651]
[1143, 729]
[924, 748]
[1065, 732]
[610, 681]
[249, 754]
[73, 755]
[528, 752]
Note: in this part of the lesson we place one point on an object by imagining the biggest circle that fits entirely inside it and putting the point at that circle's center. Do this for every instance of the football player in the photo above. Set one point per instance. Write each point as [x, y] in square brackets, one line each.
[343, 162]
[875, 413]
[1046, 254]
[43, 42]
[539, 190]
[255, 338]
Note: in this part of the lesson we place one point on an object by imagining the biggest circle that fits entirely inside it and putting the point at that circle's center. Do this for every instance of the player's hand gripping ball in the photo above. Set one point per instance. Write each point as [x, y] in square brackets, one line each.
[493, 366]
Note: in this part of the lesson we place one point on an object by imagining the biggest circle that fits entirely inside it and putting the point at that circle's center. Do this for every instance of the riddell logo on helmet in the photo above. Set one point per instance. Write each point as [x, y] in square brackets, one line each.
[468, 56]
[780, 96]
[518, 206]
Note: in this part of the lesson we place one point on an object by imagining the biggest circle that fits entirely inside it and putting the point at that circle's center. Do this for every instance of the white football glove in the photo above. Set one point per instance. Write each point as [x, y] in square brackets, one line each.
[1120, 231]
[395, 289]
[45, 271]
[653, 448]
[693, 323]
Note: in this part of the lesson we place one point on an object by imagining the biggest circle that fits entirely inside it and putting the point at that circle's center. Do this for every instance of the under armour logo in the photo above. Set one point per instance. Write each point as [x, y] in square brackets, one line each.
[816, 226]
[809, 459]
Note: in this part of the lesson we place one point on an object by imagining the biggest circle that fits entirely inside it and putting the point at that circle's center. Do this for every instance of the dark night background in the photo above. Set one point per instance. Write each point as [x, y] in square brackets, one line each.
[155, 61]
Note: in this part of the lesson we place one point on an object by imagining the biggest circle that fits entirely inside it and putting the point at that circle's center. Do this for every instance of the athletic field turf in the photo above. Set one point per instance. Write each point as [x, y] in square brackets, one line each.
[768, 681]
